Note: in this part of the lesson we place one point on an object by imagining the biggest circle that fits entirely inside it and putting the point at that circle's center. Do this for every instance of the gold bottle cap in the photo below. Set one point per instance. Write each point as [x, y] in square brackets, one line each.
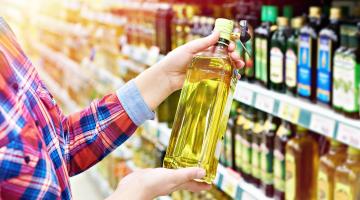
[225, 27]
[297, 22]
[335, 13]
[315, 11]
[202, 19]
[282, 21]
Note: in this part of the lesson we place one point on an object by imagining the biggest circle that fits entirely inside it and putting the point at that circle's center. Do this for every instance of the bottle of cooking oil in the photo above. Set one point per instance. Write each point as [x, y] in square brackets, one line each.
[246, 145]
[283, 134]
[255, 146]
[204, 107]
[327, 167]
[301, 163]
[347, 177]
[239, 129]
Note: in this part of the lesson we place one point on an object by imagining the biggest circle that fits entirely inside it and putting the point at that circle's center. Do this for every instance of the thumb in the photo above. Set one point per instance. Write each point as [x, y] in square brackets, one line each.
[184, 175]
[203, 43]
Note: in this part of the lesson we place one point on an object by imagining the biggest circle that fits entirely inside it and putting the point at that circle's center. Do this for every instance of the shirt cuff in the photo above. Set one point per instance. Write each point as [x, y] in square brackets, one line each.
[134, 104]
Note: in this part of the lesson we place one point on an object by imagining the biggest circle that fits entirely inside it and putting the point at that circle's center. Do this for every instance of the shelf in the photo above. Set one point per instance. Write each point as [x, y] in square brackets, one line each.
[314, 117]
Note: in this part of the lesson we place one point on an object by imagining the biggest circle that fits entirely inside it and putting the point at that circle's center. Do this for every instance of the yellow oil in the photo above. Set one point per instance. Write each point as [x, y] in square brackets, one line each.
[202, 115]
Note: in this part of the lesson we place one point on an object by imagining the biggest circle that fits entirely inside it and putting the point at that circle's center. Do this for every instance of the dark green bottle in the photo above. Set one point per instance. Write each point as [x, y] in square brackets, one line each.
[255, 147]
[291, 56]
[328, 41]
[306, 81]
[249, 59]
[262, 44]
[246, 145]
[277, 55]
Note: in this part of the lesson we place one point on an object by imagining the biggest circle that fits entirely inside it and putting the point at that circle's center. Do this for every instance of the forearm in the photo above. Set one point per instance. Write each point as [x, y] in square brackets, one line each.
[154, 85]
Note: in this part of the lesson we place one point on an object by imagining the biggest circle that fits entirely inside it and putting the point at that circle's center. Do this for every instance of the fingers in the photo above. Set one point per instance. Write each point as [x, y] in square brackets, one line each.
[181, 176]
[231, 47]
[203, 43]
[194, 186]
[237, 60]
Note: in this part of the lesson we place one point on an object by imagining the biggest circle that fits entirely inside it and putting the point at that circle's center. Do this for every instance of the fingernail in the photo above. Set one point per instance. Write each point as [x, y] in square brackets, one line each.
[200, 173]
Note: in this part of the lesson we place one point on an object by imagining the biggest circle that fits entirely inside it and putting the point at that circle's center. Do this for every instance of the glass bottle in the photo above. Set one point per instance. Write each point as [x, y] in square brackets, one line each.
[204, 107]
[249, 59]
[327, 167]
[239, 129]
[301, 162]
[350, 73]
[277, 55]
[291, 56]
[338, 96]
[283, 134]
[267, 155]
[228, 144]
[262, 44]
[255, 147]
[246, 145]
[328, 41]
[306, 86]
[347, 177]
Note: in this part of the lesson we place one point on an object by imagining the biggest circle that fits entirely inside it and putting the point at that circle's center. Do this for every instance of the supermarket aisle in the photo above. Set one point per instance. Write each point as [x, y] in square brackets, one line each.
[83, 187]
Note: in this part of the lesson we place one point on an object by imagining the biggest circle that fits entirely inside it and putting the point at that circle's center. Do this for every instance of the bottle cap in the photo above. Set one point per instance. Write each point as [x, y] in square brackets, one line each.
[314, 11]
[272, 13]
[335, 13]
[282, 21]
[288, 12]
[263, 13]
[225, 27]
[297, 22]
[353, 151]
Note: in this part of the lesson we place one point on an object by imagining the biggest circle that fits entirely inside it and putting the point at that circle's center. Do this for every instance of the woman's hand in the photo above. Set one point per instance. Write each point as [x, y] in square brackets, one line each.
[150, 183]
[167, 76]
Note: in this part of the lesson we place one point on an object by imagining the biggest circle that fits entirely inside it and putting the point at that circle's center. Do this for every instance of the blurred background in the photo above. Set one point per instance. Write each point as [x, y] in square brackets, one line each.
[84, 49]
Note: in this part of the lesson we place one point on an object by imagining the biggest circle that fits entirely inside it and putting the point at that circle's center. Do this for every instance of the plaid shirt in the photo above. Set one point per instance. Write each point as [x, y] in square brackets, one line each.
[40, 147]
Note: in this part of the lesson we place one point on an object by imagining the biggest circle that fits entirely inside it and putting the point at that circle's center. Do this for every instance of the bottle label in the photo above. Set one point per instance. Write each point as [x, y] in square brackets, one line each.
[324, 69]
[290, 64]
[339, 72]
[249, 62]
[228, 147]
[279, 171]
[258, 58]
[238, 158]
[304, 66]
[264, 58]
[255, 161]
[342, 192]
[350, 84]
[324, 187]
[246, 156]
[276, 65]
[290, 184]
[267, 159]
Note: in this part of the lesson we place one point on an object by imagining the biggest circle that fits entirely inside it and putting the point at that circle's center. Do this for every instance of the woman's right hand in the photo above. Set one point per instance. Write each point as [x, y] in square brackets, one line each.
[150, 183]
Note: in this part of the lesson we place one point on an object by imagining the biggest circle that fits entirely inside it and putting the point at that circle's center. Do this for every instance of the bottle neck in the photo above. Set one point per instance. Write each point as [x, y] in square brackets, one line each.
[222, 43]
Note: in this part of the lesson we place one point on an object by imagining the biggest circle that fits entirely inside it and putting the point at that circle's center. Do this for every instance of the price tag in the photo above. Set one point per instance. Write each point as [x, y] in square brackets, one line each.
[289, 112]
[322, 125]
[264, 103]
[349, 135]
[229, 185]
[244, 95]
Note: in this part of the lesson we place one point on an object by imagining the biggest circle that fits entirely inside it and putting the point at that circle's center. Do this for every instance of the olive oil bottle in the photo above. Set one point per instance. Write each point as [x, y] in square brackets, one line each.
[328, 163]
[283, 134]
[267, 155]
[347, 177]
[306, 86]
[301, 162]
[246, 145]
[328, 41]
[204, 107]
[239, 130]
[291, 56]
[277, 55]
[255, 147]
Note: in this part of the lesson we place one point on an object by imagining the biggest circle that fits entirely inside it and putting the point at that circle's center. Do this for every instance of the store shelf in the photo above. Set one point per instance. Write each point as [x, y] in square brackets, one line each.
[314, 117]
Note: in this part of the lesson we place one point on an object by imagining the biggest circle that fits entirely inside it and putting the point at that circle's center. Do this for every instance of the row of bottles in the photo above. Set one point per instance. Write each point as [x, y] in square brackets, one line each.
[288, 161]
[315, 58]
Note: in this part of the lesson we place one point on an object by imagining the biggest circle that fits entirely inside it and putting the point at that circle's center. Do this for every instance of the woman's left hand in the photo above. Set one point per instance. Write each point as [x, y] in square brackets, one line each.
[168, 75]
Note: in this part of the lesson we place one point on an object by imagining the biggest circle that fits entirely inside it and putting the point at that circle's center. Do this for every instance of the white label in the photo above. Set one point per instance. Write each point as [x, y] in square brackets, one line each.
[349, 135]
[289, 112]
[322, 125]
[126, 50]
[276, 65]
[244, 95]
[290, 71]
[229, 185]
[264, 103]
[349, 85]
